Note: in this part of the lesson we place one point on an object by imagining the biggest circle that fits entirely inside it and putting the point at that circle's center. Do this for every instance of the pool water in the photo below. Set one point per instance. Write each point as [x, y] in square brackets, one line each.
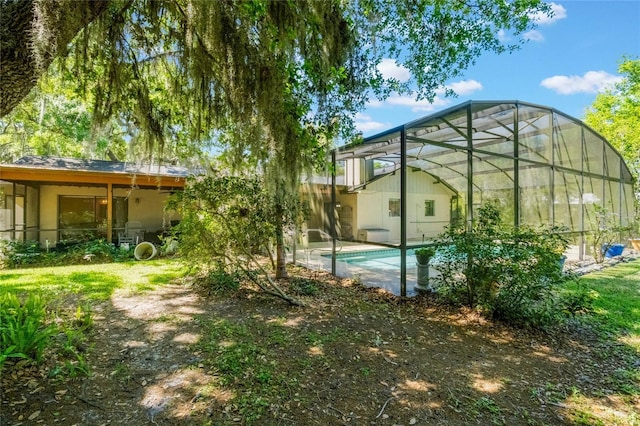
[378, 259]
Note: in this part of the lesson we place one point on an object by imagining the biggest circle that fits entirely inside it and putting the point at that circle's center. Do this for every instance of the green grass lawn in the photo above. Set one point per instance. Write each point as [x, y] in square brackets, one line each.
[282, 353]
[92, 281]
[617, 301]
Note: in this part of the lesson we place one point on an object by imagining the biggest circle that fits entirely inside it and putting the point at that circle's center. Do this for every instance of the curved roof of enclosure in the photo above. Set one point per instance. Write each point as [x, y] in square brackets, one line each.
[494, 133]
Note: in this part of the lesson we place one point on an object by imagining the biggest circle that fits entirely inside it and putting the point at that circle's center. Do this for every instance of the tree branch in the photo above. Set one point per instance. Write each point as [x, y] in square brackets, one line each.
[32, 34]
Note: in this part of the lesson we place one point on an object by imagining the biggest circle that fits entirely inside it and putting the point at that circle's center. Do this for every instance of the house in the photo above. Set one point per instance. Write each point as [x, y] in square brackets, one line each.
[49, 199]
[368, 208]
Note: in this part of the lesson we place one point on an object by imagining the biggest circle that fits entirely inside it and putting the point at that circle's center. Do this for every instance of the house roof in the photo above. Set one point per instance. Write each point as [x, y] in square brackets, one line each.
[60, 170]
[59, 163]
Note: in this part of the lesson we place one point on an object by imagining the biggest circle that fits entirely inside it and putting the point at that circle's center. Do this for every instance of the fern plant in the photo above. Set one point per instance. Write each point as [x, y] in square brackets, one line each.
[24, 332]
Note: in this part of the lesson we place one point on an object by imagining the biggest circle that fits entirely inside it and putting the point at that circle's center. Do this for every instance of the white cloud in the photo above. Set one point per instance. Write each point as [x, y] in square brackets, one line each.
[590, 82]
[461, 88]
[405, 101]
[390, 69]
[559, 12]
[533, 35]
[465, 87]
[417, 106]
[502, 36]
[365, 123]
[374, 103]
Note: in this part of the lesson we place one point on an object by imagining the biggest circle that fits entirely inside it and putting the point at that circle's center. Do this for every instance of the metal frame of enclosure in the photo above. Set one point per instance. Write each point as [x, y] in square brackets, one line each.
[540, 165]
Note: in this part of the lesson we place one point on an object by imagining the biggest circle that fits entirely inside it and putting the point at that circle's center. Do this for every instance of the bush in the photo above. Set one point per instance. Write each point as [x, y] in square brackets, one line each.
[219, 281]
[16, 254]
[508, 273]
[23, 329]
[606, 230]
[303, 286]
[578, 301]
[230, 221]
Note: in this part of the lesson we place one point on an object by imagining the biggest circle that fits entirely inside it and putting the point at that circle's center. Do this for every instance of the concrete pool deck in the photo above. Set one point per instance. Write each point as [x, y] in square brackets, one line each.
[318, 257]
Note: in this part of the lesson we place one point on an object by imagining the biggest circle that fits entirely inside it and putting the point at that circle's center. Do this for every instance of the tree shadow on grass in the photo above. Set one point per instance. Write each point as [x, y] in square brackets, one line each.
[377, 362]
[170, 356]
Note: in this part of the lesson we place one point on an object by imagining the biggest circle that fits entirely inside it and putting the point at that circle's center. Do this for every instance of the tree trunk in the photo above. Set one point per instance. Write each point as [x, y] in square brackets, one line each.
[281, 257]
[32, 34]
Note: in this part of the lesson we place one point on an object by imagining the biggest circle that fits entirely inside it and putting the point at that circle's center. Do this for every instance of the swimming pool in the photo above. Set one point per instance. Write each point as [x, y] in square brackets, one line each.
[375, 268]
[387, 259]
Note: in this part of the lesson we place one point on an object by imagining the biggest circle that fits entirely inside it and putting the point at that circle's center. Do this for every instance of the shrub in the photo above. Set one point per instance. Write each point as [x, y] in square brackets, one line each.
[16, 254]
[23, 329]
[230, 221]
[303, 286]
[578, 301]
[19, 253]
[508, 273]
[606, 230]
[219, 281]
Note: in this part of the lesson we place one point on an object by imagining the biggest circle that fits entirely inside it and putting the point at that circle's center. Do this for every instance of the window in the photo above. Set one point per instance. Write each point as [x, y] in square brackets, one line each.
[394, 207]
[77, 217]
[86, 217]
[429, 207]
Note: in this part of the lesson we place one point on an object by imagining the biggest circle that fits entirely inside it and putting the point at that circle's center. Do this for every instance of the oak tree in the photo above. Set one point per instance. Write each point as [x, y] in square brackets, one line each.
[277, 81]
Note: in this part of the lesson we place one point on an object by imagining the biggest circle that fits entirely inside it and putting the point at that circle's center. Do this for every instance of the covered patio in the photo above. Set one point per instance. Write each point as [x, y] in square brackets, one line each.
[49, 199]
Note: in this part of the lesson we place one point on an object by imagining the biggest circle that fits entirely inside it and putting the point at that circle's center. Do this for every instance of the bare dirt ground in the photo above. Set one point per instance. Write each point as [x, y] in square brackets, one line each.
[353, 356]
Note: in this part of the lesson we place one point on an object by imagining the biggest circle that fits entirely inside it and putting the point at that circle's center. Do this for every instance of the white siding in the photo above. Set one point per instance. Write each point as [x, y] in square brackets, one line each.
[373, 206]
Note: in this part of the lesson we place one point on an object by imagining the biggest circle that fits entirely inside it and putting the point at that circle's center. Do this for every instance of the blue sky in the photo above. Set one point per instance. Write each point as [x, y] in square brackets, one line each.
[567, 60]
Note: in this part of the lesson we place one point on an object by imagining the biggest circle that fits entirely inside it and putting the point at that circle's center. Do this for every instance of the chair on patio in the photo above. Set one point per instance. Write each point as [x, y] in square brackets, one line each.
[132, 235]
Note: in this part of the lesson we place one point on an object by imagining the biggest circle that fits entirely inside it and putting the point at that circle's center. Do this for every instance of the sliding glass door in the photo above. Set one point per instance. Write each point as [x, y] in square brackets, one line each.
[84, 218]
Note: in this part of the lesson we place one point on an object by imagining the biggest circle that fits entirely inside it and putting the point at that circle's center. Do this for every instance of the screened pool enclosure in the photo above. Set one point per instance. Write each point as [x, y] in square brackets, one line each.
[399, 189]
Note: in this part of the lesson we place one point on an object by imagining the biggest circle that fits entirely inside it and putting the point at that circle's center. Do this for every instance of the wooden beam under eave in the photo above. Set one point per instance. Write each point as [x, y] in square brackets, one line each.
[20, 174]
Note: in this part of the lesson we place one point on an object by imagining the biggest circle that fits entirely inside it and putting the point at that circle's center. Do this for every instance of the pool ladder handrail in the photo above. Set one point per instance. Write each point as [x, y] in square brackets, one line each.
[325, 237]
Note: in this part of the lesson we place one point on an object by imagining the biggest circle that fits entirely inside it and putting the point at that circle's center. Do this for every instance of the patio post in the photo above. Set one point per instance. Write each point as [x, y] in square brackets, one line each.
[109, 212]
[516, 166]
[332, 217]
[469, 215]
[403, 212]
